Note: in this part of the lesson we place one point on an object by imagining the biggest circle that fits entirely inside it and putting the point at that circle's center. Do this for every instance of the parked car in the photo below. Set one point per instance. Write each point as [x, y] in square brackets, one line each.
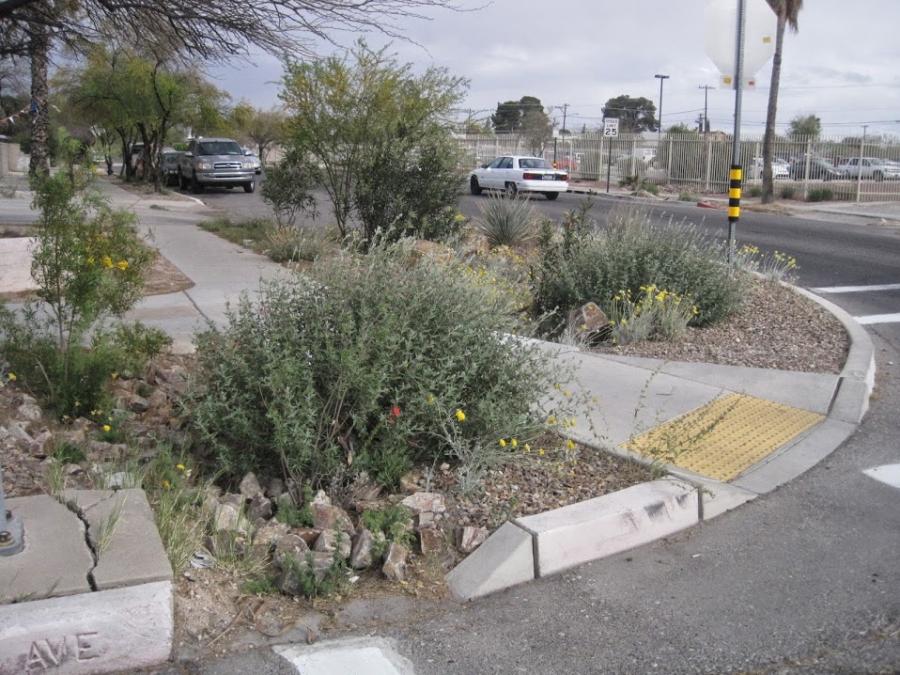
[819, 169]
[514, 174]
[216, 161]
[168, 166]
[869, 167]
[780, 168]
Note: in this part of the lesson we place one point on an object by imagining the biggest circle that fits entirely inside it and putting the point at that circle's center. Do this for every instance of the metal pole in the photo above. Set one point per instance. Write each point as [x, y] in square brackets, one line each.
[736, 173]
[661, 78]
[862, 144]
[608, 164]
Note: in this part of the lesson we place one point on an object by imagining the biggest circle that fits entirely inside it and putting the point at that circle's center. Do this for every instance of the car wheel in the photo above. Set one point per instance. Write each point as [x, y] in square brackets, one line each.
[196, 186]
[182, 185]
[551, 196]
[510, 190]
[474, 187]
[249, 187]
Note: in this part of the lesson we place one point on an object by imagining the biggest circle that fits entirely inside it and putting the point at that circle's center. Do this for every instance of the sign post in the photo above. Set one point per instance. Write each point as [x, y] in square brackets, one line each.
[739, 40]
[610, 131]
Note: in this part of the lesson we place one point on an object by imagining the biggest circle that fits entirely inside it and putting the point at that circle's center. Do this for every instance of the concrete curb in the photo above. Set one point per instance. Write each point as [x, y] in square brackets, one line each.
[596, 528]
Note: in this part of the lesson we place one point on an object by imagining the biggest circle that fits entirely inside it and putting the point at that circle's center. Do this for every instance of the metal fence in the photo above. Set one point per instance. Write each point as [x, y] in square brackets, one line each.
[804, 168]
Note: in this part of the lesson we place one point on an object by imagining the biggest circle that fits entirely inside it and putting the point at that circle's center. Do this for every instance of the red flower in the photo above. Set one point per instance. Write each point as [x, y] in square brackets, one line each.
[395, 412]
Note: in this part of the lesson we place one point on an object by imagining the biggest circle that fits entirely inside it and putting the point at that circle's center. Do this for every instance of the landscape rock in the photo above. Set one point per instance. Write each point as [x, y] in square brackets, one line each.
[333, 540]
[29, 411]
[103, 451]
[158, 399]
[361, 555]
[250, 487]
[226, 544]
[138, 404]
[431, 540]
[290, 546]
[38, 446]
[321, 498]
[588, 321]
[228, 516]
[394, 567]
[267, 537]
[425, 502]
[17, 431]
[307, 534]
[469, 538]
[289, 580]
[284, 500]
[276, 488]
[260, 507]
[327, 517]
[409, 483]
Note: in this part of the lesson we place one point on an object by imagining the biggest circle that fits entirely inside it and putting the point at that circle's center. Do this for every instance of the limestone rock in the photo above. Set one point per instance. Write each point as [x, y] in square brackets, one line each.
[327, 517]
[333, 540]
[138, 404]
[276, 488]
[250, 487]
[29, 411]
[290, 546]
[394, 567]
[469, 538]
[229, 516]
[307, 534]
[431, 540]
[260, 507]
[361, 555]
[425, 502]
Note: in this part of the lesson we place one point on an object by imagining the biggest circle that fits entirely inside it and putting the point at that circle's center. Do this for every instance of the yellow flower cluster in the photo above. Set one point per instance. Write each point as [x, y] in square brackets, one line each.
[788, 261]
[11, 376]
[460, 415]
[109, 264]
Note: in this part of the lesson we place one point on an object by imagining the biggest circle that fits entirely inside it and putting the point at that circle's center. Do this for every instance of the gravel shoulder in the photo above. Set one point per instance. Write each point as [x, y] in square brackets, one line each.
[776, 328]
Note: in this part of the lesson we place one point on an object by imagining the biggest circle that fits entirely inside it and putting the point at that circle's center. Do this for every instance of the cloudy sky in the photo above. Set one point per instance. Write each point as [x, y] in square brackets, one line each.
[841, 66]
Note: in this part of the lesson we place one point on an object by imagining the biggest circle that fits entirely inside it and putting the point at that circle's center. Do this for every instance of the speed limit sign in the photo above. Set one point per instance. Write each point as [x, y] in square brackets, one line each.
[611, 127]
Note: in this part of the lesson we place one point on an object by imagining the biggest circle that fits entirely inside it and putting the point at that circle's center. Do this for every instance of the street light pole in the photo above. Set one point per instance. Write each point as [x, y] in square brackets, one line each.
[736, 174]
[661, 78]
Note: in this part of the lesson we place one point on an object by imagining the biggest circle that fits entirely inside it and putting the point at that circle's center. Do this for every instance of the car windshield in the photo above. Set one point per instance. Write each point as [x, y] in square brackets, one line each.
[534, 163]
[219, 148]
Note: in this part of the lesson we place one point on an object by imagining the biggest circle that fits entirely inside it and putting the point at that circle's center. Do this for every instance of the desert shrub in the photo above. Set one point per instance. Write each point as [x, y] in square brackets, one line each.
[363, 365]
[788, 192]
[394, 522]
[507, 222]
[776, 266]
[291, 243]
[138, 344]
[591, 264]
[820, 195]
[685, 196]
[287, 190]
[655, 314]
[88, 263]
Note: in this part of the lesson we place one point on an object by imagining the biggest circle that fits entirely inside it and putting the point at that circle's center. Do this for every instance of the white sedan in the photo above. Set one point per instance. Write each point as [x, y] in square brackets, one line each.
[514, 174]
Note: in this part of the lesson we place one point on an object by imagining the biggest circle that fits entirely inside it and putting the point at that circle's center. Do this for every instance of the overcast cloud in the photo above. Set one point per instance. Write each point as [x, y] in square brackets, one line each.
[842, 65]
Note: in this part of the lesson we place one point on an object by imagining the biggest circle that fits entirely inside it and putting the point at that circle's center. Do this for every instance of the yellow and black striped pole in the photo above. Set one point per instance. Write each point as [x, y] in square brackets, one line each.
[734, 205]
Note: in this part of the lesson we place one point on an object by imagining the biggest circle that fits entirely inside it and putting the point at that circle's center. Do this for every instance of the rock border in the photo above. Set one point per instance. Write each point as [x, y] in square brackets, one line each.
[531, 547]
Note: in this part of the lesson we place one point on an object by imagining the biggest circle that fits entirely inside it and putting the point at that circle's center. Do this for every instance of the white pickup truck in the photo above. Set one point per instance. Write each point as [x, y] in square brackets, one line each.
[217, 161]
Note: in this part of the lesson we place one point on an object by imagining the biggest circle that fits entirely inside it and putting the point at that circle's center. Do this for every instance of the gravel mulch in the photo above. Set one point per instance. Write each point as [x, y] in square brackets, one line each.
[776, 328]
[532, 483]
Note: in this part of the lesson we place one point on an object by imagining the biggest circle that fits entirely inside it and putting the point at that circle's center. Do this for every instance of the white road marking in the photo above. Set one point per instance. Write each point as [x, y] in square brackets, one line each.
[889, 474]
[856, 289]
[878, 318]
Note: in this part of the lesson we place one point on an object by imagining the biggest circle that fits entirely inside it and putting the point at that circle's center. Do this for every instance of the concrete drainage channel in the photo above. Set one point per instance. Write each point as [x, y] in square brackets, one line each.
[531, 547]
[91, 591]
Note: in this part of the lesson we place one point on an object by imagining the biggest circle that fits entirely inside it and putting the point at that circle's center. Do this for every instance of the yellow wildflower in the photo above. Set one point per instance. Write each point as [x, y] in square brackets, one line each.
[166, 485]
[551, 420]
[11, 377]
[90, 260]
[114, 376]
[106, 428]
[527, 448]
[107, 262]
[429, 399]
[502, 443]
[460, 415]
[122, 265]
[180, 467]
[570, 444]
[514, 443]
[541, 452]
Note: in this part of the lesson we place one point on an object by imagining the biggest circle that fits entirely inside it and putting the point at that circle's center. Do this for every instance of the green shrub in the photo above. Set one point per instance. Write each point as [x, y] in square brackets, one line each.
[686, 197]
[138, 344]
[363, 366]
[88, 263]
[754, 191]
[506, 221]
[592, 265]
[394, 522]
[304, 580]
[297, 516]
[291, 243]
[656, 314]
[287, 190]
[820, 195]
[788, 192]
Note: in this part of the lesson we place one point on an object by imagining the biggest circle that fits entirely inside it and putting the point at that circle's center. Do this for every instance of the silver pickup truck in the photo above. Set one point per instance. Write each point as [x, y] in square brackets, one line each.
[217, 161]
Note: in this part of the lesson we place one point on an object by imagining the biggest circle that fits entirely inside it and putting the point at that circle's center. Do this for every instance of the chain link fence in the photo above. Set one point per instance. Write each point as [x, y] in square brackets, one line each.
[814, 169]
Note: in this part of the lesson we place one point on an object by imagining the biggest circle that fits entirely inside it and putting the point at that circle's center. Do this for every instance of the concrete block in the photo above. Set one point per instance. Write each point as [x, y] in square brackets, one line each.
[124, 535]
[852, 400]
[600, 527]
[118, 630]
[504, 560]
[372, 656]
[56, 559]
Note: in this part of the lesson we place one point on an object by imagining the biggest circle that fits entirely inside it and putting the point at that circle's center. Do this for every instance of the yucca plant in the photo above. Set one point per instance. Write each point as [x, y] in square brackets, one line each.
[507, 221]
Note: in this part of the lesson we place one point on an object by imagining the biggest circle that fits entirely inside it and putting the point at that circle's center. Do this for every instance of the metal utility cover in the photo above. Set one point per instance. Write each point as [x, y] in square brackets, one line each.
[724, 438]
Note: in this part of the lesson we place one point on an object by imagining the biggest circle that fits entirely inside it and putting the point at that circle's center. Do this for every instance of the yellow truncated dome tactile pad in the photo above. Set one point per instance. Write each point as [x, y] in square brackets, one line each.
[724, 438]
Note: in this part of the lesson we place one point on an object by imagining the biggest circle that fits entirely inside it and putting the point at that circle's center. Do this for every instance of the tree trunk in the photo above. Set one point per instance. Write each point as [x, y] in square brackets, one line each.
[768, 186]
[38, 52]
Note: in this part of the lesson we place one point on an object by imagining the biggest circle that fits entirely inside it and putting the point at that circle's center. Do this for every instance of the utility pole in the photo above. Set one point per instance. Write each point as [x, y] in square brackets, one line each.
[862, 145]
[705, 88]
[565, 109]
[661, 78]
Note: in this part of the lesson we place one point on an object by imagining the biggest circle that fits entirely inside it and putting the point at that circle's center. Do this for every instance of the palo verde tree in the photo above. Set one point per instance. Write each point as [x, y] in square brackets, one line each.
[263, 128]
[377, 138]
[214, 29]
[634, 114]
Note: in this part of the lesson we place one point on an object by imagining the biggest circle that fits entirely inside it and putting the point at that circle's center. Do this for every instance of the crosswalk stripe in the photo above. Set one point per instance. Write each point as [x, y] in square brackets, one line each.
[856, 289]
[878, 318]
